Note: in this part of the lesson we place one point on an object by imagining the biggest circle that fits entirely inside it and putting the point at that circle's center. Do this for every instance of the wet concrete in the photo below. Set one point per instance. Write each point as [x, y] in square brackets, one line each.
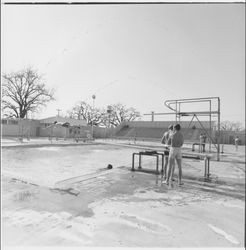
[96, 206]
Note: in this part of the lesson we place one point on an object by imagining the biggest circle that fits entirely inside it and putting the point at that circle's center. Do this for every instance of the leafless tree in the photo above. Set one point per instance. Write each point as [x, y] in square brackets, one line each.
[231, 126]
[121, 113]
[24, 92]
[103, 117]
[85, 111]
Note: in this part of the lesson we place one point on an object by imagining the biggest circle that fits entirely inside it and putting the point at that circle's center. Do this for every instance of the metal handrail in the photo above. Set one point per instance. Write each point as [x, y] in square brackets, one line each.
[168, 103]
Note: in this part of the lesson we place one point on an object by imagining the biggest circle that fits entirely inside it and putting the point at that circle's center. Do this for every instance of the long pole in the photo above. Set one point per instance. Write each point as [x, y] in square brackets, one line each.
[92, 122]
[210, 126]
[218, 148]
[176, 111]
[179, 111]
[109, 111]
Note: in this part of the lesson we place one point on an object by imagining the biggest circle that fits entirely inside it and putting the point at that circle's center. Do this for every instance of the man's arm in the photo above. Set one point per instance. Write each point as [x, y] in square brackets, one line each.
[163, 139]
[182, 140]
[169, 141]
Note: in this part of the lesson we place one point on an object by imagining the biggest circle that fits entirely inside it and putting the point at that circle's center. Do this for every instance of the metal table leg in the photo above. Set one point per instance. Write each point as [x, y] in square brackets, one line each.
[162, 163]
[208, 165]
[133, 162]
[139, 161]
[157, 164]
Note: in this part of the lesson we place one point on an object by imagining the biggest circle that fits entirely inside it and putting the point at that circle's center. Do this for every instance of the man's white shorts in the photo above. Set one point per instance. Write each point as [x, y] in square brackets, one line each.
[175, 153]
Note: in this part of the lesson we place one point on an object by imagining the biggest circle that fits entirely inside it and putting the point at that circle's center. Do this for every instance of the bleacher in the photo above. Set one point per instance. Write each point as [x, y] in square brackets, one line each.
[191, 135]
[140, 132]
[123, 131]
[154, 133]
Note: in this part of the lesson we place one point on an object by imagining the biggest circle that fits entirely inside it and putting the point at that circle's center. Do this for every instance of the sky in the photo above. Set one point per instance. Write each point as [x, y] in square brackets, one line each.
[137, 55]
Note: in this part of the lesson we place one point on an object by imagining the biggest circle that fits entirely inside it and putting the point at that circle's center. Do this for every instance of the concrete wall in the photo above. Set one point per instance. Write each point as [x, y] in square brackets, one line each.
[227, 137]
[33, 128]
[99, 132]
[60, 132]
[10, 130]
[22, 127]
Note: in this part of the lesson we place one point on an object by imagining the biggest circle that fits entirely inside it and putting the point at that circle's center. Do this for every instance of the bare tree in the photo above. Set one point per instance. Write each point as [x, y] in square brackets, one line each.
[231, 126]
[102, 117]
[120, 114]
[24, 92]
[85, 111]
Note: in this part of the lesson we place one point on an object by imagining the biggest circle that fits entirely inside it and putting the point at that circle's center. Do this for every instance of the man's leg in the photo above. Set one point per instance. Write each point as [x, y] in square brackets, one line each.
[170, 165]
[165, 166]
[173, 168]
[179, 162]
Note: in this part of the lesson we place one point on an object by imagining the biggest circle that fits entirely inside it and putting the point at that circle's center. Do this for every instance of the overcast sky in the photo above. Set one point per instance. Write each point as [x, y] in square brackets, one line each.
[139, 55]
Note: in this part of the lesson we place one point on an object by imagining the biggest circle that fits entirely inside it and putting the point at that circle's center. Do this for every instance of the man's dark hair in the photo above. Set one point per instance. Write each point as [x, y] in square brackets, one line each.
[170, 127]
[177, 127]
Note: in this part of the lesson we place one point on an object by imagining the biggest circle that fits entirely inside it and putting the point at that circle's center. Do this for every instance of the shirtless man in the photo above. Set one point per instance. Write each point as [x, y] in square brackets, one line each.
[176, 141]
[164, 141]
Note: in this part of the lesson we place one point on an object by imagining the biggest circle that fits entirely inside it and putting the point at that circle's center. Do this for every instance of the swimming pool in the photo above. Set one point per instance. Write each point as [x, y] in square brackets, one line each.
[47, 165]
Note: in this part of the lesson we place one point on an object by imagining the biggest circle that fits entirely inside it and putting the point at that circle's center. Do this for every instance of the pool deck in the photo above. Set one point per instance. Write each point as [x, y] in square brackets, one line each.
[120, 208]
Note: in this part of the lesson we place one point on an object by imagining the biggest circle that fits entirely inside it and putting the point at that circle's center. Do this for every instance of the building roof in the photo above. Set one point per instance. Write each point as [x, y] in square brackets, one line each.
[71, 121]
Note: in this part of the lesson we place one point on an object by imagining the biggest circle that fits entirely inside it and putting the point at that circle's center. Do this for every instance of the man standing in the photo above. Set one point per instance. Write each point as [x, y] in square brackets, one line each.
[164, 141]
[236, 143]
[176, 141]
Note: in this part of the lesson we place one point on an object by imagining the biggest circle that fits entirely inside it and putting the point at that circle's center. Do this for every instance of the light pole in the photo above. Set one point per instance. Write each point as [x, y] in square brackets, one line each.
[92, 122]
[109, 111]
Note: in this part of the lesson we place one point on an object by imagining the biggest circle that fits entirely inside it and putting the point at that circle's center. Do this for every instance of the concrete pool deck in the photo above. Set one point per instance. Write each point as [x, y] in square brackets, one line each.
[65, 196]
